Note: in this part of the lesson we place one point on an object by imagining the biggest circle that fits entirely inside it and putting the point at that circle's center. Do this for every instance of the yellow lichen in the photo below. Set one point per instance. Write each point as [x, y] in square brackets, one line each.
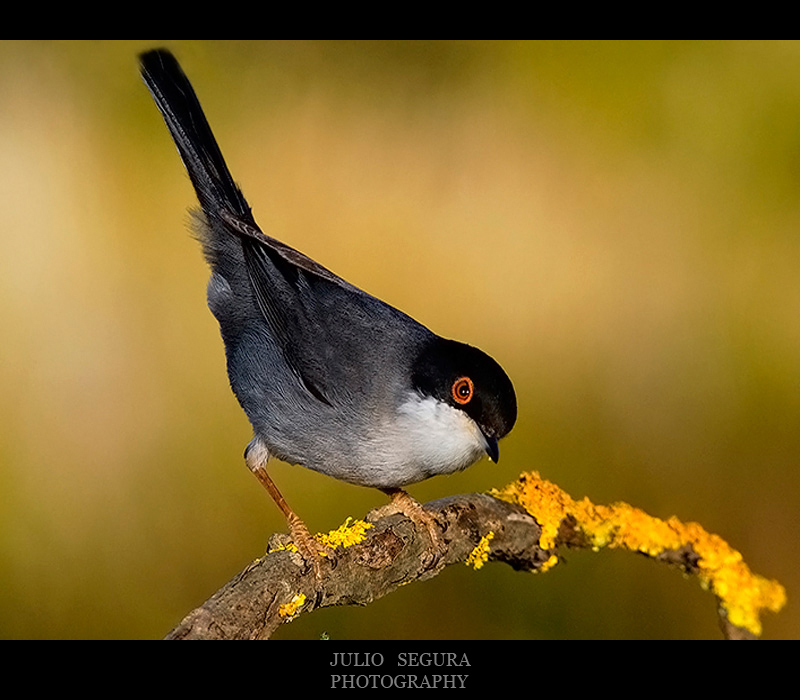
[283, 547]
[721, 569]
[349, 533]
[549, 564]
[480, 555]
[290, 609]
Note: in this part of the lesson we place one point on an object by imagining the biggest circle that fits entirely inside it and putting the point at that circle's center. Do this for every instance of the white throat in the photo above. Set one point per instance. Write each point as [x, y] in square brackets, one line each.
[429, 437]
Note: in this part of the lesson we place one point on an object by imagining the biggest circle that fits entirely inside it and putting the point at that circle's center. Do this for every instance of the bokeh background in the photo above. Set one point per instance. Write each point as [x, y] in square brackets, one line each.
[617, 223]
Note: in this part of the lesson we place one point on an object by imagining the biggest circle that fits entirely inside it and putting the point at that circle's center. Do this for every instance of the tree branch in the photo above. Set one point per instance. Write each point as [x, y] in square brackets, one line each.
[370, 560]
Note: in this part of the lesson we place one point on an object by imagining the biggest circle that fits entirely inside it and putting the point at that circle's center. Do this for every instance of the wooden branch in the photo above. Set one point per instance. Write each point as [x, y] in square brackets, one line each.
[370, 560]
[278, 586]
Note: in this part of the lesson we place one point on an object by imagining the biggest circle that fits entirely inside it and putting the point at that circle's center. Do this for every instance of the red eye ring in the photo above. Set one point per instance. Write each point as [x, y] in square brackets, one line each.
[462, 390]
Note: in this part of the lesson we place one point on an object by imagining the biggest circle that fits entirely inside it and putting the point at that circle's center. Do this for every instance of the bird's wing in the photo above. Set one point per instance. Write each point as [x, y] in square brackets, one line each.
[328, 330]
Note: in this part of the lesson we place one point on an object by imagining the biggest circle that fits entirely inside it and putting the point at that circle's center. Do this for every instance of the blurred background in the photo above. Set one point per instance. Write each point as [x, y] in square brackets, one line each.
[618, 224]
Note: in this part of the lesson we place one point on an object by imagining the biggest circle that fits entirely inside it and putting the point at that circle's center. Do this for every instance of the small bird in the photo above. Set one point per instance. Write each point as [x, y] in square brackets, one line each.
[330, 377]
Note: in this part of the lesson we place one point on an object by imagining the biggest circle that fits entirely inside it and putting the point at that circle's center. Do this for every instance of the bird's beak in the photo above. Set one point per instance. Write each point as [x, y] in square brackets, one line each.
[491, 447]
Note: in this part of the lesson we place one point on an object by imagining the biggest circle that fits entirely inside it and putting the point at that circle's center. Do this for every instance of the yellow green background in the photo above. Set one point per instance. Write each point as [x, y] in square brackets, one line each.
[617, 223]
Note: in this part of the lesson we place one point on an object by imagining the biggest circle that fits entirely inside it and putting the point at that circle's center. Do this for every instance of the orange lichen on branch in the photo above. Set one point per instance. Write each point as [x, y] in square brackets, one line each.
[720, 568]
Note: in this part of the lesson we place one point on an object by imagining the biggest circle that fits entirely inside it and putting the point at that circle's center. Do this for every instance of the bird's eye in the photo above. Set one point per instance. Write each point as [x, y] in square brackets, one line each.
[463, 390]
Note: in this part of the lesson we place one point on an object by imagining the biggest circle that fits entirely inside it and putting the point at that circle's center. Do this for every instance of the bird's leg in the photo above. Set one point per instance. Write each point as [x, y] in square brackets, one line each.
[256, 456]
[404, 503]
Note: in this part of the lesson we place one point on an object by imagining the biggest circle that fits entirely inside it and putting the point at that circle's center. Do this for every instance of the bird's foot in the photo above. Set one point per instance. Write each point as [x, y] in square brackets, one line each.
[312, 551]
[402, 502]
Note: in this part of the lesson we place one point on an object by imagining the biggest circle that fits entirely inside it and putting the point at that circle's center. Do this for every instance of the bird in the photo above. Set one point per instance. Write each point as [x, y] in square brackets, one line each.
[330, 377]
